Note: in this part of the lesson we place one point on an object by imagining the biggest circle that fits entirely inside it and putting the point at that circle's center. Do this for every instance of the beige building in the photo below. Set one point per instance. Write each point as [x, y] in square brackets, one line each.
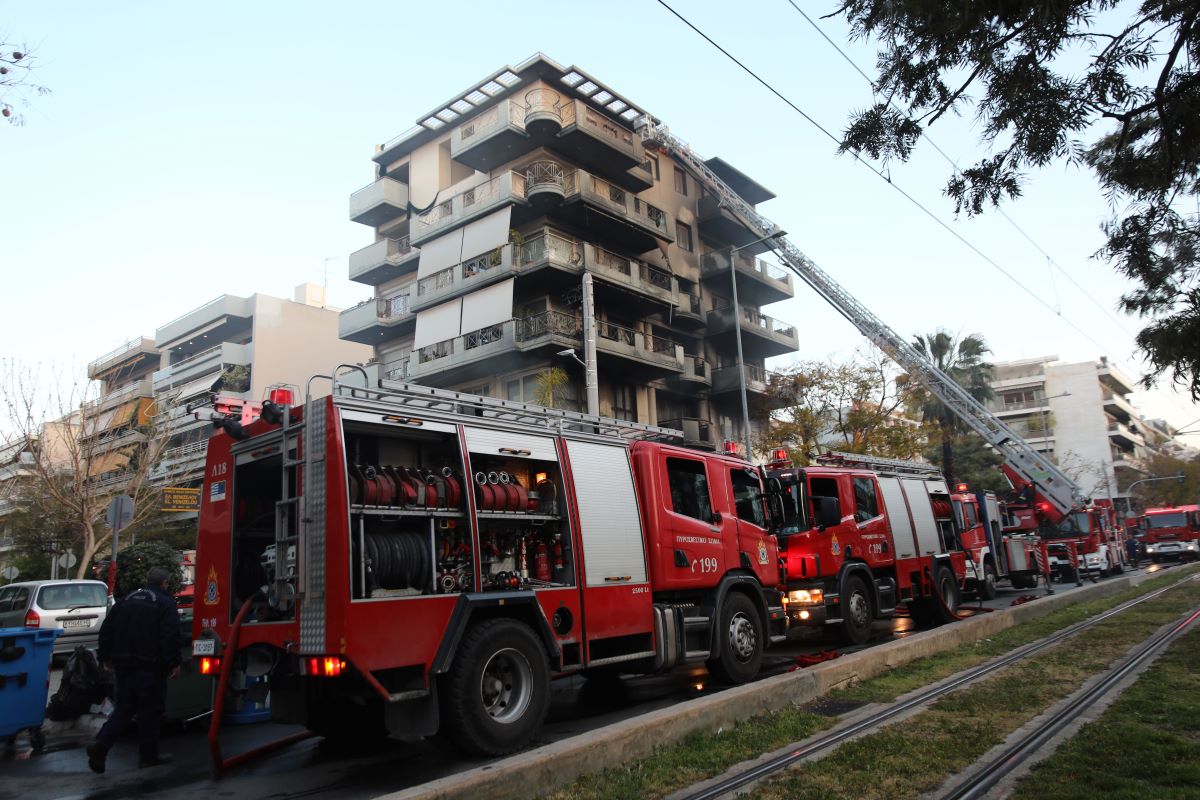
[488, 214]
[240, 347]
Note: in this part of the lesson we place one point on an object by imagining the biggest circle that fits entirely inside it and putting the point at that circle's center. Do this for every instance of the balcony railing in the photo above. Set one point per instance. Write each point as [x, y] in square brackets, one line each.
[464, 344]
[443, 280]
[469, 203]
[548, 246]
[1021, 405]
[547, 323]
[397, 370]
[132, 344]
[694, 430]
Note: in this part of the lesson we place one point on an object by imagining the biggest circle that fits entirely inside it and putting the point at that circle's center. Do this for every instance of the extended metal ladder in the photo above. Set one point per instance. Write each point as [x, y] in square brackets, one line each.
[1050, 483]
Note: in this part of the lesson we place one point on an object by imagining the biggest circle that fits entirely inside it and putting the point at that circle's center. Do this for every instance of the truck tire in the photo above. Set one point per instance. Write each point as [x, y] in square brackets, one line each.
[857, 611]
[739, 641]
[929, 612]
[496, 694]
[987, 587]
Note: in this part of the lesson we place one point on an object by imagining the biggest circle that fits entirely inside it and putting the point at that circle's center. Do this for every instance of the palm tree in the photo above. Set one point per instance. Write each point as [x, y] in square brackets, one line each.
[963, 360]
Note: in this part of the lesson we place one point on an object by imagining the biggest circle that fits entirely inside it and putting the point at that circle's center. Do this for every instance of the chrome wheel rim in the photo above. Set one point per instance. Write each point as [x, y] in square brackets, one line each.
[506, 686]
[743, 640]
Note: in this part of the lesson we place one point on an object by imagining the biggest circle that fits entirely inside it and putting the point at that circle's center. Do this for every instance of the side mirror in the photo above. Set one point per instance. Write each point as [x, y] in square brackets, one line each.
[828, 512]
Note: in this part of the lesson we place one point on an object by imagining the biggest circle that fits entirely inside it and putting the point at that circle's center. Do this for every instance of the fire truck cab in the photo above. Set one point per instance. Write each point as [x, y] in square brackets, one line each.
[399, 560]
[858, 541]
[1172, 532]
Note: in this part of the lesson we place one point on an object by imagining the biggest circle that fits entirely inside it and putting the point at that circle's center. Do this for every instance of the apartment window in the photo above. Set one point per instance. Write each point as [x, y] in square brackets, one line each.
[483, 390]
[624, 402]
[681, 181]
[866, 504]
[689, 488]
[683, 236]
[1022, 398]
[652, 164]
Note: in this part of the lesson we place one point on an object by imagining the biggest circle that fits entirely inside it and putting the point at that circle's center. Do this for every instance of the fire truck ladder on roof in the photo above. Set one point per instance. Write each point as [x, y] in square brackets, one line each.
[411, 398]
[1049, 482]
[883, 466]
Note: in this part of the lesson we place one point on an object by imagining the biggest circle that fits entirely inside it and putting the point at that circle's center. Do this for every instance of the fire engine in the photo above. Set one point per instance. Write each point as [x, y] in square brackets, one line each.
[862, 535]
[1172, 532]
[996, 546]
[1046, 495]
[400, 559]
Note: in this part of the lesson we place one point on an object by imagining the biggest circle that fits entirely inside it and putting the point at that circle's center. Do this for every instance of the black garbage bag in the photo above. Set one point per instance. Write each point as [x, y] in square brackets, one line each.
[84, 684]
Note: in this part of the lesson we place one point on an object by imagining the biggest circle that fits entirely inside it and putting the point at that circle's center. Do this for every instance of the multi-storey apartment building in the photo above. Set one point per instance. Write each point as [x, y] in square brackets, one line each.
[119, 417]
[1079, 415]
[238, 346]
[489, 212]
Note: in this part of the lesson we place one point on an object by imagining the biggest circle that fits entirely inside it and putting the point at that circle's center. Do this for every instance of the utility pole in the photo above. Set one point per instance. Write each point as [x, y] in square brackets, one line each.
[591, 376]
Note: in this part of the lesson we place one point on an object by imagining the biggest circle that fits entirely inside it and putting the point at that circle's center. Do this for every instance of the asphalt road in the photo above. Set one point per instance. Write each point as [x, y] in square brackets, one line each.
[315, 769]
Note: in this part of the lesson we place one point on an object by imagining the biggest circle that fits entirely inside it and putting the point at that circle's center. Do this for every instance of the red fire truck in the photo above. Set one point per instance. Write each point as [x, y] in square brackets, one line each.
[399, 559]
[861, 535]
[1172, 532]
[996, 546]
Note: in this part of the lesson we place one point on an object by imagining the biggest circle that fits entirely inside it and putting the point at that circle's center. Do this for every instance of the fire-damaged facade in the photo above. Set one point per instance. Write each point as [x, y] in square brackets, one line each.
[490, 211]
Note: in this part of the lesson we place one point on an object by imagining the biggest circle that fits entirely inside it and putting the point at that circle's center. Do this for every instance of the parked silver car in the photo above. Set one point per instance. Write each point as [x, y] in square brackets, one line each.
[76, 607]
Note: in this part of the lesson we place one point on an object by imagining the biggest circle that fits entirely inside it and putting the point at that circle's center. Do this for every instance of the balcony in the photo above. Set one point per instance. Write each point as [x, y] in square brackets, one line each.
[688, 310]
[216, 320]
[758, 283]
[762, 336]
[507, 188]
[1124, 436]
[594, 204]
[726, 382]
[719, 226]
[379, 318]
[129, 391]
[1116, 405]
[212, 360]
[131, 357]
[630, 273]
[1113, 378]
[383, 261]
[542, 117]
[472, 274]
[696, 432]
[379, 202]
[180, 464]
[697, 374]
[465, 357]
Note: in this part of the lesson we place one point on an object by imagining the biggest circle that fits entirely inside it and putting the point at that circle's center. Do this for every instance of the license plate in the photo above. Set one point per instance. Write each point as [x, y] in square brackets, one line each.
[76, 623]
[204, 647]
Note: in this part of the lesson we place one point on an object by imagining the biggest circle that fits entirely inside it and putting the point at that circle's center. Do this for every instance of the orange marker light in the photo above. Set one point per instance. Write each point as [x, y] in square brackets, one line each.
[210, 666]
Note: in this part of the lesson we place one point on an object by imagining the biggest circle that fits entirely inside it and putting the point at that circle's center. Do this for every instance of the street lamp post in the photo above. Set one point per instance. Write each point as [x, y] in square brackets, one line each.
[737, 327]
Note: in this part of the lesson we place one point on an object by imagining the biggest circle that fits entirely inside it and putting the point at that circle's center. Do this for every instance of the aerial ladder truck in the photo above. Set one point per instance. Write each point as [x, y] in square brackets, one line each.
[1049, 504]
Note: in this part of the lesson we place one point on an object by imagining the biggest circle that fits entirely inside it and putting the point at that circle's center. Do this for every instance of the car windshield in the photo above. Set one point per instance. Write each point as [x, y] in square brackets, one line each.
[70, 595]
[1176, 520]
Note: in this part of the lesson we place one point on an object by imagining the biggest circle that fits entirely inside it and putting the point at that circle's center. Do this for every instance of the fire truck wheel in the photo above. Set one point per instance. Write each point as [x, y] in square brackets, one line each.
[945, 610]
[987, 588]
[497, 692]
[739, 641]
[856, 611]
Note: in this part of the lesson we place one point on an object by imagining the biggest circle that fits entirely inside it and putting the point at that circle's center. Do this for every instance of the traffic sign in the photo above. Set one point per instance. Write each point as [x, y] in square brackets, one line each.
[9, 573]
[120, 512]
[67, 560]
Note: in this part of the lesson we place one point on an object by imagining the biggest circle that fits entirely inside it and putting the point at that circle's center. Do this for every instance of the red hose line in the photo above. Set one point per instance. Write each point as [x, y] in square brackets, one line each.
[220, 764]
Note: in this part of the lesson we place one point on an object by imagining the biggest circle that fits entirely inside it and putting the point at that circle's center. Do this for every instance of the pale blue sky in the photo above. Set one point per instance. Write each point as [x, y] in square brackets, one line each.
[189, 152]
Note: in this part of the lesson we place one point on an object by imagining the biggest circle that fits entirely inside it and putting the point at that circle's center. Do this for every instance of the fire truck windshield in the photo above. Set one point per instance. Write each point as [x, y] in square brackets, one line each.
[1176, 519]
[1075, 524]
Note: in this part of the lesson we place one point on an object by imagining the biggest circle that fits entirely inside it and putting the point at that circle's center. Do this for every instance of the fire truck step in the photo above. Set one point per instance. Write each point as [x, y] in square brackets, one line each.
[693, 654]
[600, 662]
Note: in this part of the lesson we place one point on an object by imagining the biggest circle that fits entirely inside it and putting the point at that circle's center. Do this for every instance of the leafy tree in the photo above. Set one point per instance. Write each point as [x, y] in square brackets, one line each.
[854, 405]
[963, 361]
[975, 463]
[550, 385]
[1169, 492]
[1130, 112]
[135, 561]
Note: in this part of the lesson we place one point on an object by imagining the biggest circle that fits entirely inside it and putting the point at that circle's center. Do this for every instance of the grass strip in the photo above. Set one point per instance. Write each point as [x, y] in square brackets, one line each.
[1146, 744]
[701, 756]
[917, 755]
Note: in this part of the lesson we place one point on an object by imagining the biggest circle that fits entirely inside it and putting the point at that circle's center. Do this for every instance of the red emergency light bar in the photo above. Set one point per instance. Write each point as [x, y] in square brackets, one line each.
[282, 395]
[961, 488]
[729, 446]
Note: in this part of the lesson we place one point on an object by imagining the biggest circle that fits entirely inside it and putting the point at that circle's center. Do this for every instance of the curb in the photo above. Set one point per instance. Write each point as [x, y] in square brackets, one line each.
[546, 768]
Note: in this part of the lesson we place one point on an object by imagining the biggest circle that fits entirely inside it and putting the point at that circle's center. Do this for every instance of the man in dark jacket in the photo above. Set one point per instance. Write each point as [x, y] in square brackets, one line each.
[140, 642]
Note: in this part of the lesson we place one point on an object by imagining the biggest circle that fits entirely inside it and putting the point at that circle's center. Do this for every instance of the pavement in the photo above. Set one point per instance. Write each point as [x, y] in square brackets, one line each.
[586, 730]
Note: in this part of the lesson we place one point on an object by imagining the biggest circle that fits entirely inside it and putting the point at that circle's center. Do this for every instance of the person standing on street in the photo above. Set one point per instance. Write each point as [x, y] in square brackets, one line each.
[139, 641]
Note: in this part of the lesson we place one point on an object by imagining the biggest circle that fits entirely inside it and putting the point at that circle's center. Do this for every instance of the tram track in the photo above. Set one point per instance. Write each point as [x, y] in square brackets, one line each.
[819, 745]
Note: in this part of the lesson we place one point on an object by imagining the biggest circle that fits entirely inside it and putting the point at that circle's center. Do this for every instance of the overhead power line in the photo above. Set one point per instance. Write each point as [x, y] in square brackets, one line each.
[886, 179]
[954, 165]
